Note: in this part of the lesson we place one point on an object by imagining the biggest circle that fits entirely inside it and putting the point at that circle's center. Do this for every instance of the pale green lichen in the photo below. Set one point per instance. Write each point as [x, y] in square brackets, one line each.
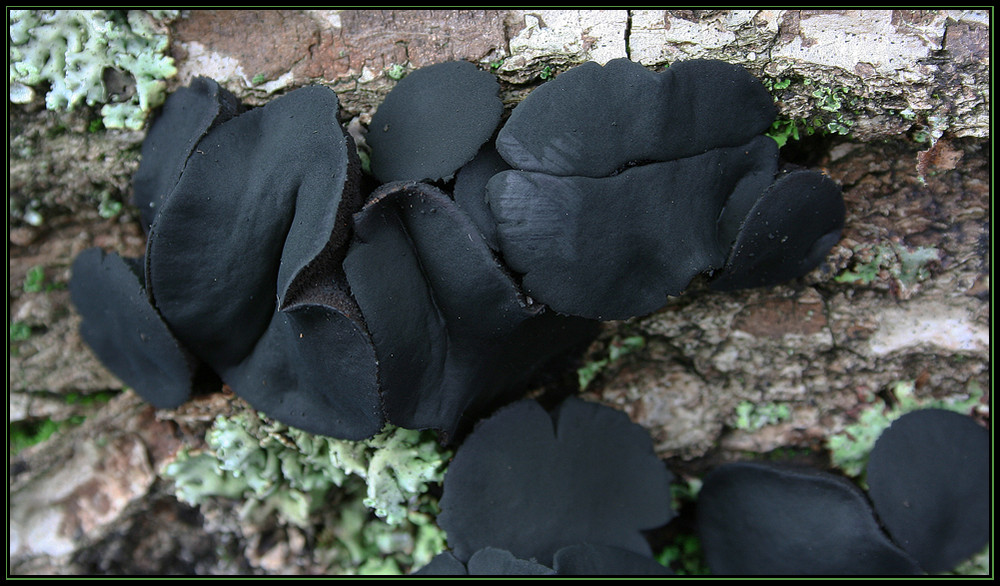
[73, 51]
[849, 448]
[300, 477]
[905, 265]
[752, 417]
[395, 72]
[978, 565]
[197, 478]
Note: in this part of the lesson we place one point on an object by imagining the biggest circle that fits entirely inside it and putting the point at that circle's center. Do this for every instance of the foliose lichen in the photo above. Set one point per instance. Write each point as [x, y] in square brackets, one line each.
[752, 417]
[900, 266]
[79, 53]
[284, 471]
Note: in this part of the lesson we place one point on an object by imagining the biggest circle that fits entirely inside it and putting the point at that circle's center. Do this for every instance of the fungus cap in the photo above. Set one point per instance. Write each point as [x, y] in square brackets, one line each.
[453, 334]
[187, 115]
[126, 332]
[786, 233]
[532, 483]
[262, 196]
[929, 481]
[594, 120]
[617, 247]
[314, 368]
[760, 519]
[433, 122]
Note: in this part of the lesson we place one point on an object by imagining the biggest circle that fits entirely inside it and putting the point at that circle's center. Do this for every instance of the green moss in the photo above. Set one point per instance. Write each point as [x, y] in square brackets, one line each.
[782, 131]
[978, 565]
[830, 99]
[832, 102]
[366, 162]
[619, 348]
[546, 73]
[258, 79]
[849, 449]
[19, 331]
[684, 555]
[785, 130]
[89, 398]
[34, 279]
[781, 84]
[109, 208]
[24, 434]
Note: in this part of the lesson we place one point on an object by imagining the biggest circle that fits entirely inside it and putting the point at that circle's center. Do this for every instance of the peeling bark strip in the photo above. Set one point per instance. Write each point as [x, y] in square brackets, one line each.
[887, 62]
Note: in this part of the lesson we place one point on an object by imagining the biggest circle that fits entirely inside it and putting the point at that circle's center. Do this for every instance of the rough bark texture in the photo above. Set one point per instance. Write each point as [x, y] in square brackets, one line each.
[911, 89]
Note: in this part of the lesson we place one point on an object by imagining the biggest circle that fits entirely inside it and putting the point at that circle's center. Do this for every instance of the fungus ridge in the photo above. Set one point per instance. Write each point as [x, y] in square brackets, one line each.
[616, 247]
[189, 113]
[594, 120]
[274, 178]
[446, 320]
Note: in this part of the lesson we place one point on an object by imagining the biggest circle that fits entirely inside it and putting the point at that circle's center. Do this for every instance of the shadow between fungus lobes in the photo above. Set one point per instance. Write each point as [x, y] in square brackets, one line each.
[337, 311]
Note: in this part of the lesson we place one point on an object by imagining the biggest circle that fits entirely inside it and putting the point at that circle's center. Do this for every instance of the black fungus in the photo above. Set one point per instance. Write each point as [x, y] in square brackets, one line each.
[593, 120]
[489, 561]
[125, 331]
[616, 247]
[602, 560]
[532, 482]
[470, 190]
[626, 184]
[785, 234]
[761, 519]
[607, 190]
[260, 198]
[244, 265]
[929, 481]
[573, 560]
[454, 336]
[186, 117]
[433, 122]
